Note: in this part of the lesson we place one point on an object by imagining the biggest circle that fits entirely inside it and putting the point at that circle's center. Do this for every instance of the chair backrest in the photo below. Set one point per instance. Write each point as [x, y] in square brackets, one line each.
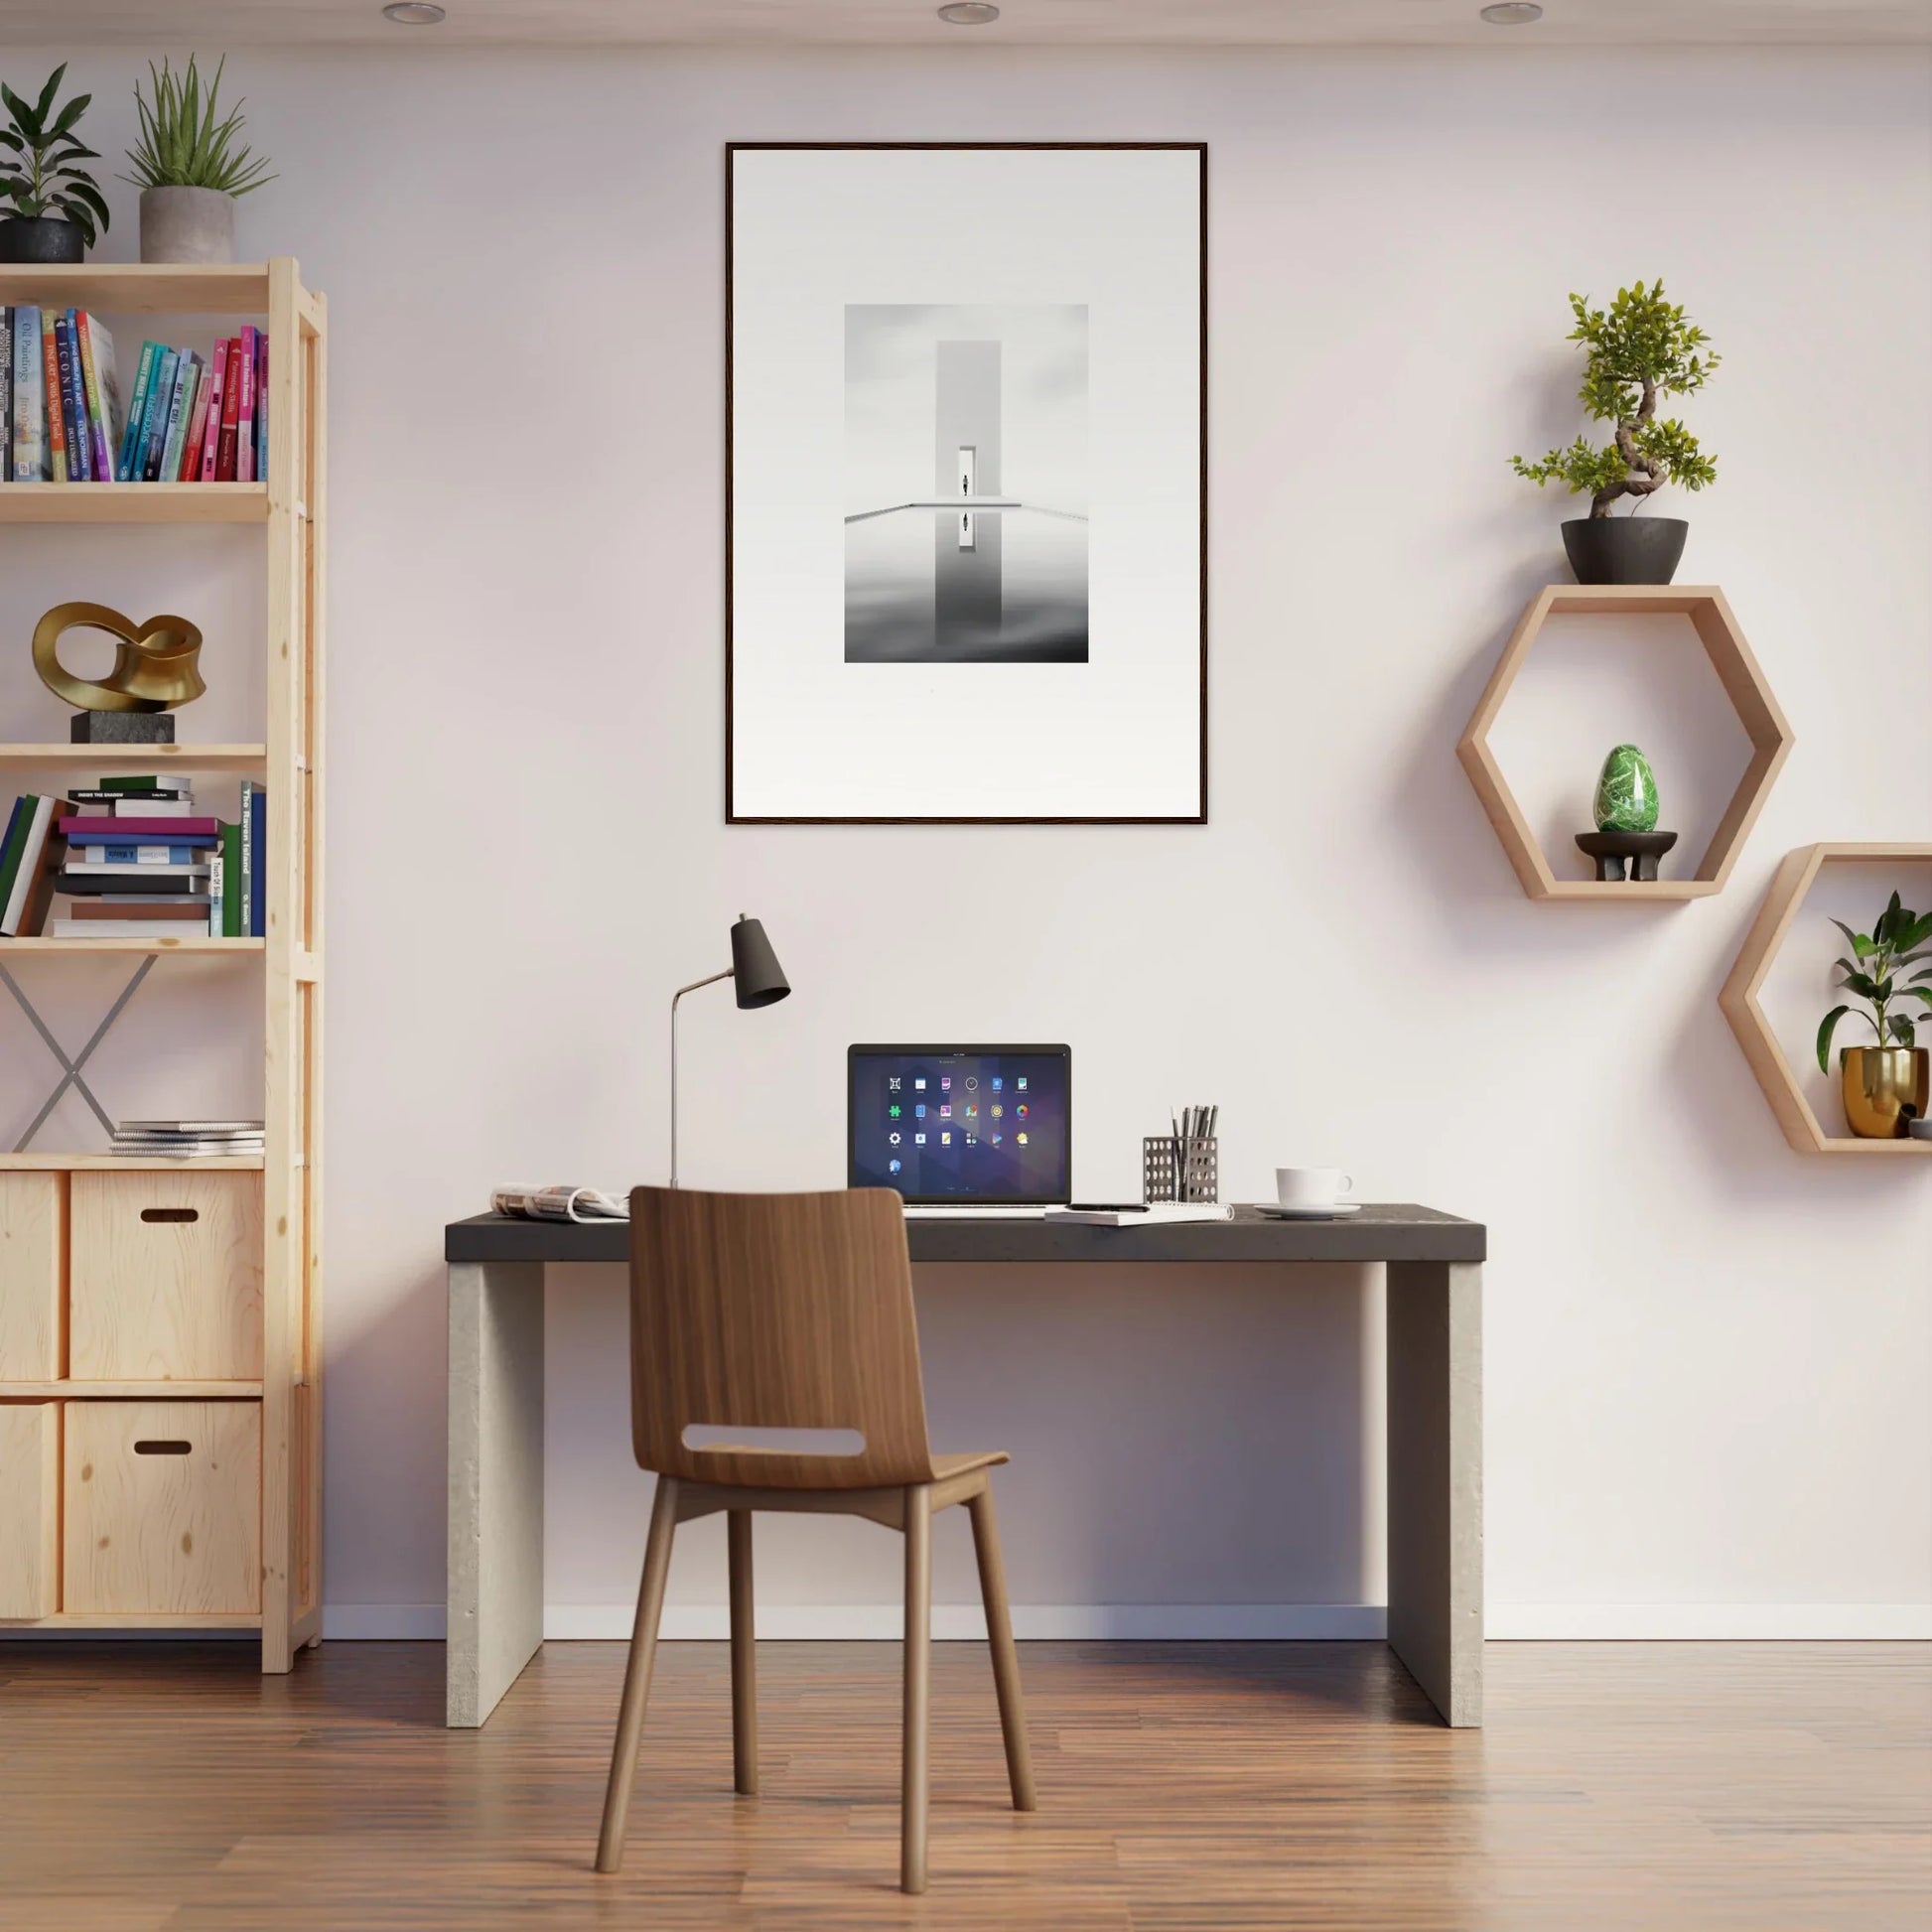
[774, 1312]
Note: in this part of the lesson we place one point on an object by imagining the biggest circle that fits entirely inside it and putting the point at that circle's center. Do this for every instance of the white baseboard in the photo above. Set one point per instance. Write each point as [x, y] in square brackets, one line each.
[1694, 1623]
[1193, 1622]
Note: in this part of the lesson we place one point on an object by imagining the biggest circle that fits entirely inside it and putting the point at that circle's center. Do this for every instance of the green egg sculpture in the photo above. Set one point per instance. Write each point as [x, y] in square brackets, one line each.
[1626, 792]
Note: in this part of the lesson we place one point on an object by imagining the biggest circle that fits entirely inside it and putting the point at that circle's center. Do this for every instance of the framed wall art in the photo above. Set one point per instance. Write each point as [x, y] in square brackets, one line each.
[966, 493]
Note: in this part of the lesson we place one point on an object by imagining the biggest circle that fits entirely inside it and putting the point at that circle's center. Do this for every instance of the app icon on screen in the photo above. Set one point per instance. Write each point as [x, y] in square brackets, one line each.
[893, 1138]
[1021, 1110]
[972, 1081]
[945, 1113]
[945, 1140]
[996, 1140]
[892, 1167]
[918, 1110]
[919, 1084]
[945, 1083]
[892, 1110]
[972, 1112]
[1021, 1138]
[892, 1083]
[1021, 1083]
[998, 1110]
[996, 1083]
[918, 1140]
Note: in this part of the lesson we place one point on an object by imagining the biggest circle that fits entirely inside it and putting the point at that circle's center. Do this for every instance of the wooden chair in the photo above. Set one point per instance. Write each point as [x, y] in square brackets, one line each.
[765, 1311]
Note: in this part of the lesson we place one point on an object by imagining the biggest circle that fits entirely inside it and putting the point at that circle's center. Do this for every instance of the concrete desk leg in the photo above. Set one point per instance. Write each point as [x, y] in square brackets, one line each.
[1434, 1325]
[496, 1585]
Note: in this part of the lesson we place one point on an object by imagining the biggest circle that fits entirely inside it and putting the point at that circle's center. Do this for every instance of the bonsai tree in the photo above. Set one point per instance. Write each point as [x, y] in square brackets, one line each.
[37, 178]
[1898, 939]
[1637, 351]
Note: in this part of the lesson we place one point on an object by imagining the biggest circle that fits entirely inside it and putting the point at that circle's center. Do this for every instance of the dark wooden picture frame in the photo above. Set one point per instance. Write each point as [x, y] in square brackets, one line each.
[732, 815]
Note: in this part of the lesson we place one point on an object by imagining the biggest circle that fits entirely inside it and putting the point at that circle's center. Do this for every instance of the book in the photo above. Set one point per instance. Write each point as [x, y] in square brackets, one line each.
[17, 823]
[177, 787]
[230, 416]
[161, 401]
[138, 855]
[258, 870]
[33, 884]
[185, 1149]
[142, 905]
[128, 930]
[185, 377]
[6, 394]
[261, 407]
[57, 428]
[102, 384]
[1155, 1214]
[232, 905]
[217, 371]
[201, 1130]
[217, 884]
[30, 409]
[127, 468]
[131, 831]
[190, 467]
[84, 881]
[73, 413]
[152, 795]
[244, 466]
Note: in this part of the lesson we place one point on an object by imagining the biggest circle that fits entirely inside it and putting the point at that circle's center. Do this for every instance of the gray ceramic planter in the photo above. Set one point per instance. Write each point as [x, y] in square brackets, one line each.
[187, 224]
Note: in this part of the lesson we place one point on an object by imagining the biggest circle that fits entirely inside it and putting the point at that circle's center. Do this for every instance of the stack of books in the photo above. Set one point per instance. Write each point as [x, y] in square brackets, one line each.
[188, 418]
[137, 861]
[186, 1140]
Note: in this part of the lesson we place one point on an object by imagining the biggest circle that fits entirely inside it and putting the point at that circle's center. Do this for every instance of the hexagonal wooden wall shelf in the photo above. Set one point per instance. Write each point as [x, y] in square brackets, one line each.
[1750, 697]
[1739, 999]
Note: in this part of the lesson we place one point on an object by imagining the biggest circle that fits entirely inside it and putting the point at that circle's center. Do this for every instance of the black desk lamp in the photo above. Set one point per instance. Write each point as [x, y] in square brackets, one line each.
[760, 982]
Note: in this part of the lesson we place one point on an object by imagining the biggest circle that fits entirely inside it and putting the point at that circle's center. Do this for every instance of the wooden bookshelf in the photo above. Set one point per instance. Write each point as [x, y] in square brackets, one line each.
[53, 1196]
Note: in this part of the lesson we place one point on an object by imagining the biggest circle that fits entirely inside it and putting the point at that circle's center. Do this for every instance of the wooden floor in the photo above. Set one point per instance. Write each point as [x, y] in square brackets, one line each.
[1774, 1787]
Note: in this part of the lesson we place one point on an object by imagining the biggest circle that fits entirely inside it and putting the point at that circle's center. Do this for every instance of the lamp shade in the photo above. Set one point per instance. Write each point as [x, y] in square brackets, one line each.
[756, 977]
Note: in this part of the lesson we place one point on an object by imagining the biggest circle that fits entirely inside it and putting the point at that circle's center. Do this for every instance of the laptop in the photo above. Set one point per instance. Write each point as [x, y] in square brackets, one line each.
[962, 1130]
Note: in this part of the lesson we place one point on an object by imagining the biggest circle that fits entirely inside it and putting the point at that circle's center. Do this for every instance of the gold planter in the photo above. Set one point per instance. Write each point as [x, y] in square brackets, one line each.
[1885, 1088]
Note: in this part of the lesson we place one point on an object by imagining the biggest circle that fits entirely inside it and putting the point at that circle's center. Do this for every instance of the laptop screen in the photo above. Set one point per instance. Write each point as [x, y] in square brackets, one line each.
[965, 1124]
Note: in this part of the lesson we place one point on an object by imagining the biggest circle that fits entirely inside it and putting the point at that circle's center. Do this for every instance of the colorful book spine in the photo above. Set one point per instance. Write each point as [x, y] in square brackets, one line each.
[10, 845]
[230, 416]
[190, 467]
[30, 416]
[244, 463]
[218, 388]
[154, 431]
[232, 901]
[143, 831]
[178, 413]
[137, 409]
[248, 826]
[33, 883]
[103, 395]
[6, 394]
[74, 408]
[217, 895]
[261, 407]
[57, 427]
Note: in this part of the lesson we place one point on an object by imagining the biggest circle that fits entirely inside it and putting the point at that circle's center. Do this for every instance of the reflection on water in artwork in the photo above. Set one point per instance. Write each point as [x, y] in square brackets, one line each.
[966, 586]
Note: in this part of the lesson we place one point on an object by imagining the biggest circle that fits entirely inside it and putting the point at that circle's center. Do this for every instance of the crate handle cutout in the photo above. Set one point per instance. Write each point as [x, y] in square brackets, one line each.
[171, 1213]
[745, 1440]
[162, 1446]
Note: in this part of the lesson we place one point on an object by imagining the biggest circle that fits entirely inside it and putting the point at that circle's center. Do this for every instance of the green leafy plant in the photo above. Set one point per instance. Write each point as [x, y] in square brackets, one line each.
[183, 145]
[1637, 351]
[37, 175]
[1897, 940]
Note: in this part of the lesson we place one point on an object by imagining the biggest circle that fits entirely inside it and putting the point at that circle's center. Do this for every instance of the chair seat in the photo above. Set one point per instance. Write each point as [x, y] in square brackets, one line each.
[944, 1466]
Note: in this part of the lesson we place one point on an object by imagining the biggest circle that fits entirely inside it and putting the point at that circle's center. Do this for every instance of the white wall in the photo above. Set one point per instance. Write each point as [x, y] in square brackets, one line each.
[1707, 1357]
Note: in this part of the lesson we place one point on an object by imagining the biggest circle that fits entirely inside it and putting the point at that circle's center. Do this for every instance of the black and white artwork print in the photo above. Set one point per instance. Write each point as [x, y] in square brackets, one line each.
[966, 492]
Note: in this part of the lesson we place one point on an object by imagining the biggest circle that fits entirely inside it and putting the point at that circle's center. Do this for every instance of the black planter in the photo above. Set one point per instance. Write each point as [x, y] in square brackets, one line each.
[40, 238]
[1624, 549]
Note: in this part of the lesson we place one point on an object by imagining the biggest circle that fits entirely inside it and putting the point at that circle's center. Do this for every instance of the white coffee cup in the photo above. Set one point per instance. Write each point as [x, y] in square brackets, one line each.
[1312, 1186]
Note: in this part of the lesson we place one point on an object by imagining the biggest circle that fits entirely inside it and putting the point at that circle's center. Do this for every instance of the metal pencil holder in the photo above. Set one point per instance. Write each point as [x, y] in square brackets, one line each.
[1180, 1169]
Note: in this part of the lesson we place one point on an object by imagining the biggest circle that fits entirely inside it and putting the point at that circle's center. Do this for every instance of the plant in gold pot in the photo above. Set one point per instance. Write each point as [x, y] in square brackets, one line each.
[1886, 1085]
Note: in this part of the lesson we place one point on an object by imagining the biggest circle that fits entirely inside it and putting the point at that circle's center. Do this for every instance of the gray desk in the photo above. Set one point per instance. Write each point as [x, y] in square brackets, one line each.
[1434, 1403]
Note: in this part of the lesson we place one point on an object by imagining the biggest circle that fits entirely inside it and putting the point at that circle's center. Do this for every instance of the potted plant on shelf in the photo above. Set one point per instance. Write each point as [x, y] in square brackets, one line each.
[187, 168]
[1884, 1085]
[1640, 350]
[54, 210]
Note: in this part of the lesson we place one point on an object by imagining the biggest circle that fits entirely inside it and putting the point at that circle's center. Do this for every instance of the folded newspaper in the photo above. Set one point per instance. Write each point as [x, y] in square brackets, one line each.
[559, 1204]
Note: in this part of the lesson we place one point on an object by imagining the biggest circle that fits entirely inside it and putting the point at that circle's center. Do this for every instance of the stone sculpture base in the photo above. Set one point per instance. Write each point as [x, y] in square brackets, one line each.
[1611, 850]
[122, 728]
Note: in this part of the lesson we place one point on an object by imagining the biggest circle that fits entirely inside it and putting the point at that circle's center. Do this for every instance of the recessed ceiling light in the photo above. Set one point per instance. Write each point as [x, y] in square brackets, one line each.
[413, 13]
[1512, 13]
[969, 13]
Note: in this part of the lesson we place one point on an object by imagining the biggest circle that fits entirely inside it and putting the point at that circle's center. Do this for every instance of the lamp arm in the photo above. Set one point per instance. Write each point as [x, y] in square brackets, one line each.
[712, 980]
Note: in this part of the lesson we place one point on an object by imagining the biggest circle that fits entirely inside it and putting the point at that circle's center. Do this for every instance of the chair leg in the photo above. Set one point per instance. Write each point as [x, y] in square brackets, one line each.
[1006, 1659]
[914, 1769]
[636, 1675]
[745, 1669]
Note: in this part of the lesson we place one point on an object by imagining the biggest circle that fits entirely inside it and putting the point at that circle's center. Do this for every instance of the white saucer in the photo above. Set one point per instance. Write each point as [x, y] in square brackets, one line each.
[1269, 1211]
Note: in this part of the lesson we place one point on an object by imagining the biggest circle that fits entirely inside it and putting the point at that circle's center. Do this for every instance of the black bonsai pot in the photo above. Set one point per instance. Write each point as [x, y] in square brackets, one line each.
[40, 238]
[1624, 549]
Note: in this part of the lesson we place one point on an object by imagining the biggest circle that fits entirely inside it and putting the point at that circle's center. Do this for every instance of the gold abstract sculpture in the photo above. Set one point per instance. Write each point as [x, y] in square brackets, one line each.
[154, 663]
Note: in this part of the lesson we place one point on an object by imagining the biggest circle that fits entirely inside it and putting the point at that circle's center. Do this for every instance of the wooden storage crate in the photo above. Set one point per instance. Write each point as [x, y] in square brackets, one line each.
[30, 1508]
[32, 1268]
[163, 1508]
[165, 1279]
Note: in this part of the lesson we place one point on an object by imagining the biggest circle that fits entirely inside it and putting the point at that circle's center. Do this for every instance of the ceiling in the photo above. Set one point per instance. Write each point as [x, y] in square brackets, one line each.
[1082, 23]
